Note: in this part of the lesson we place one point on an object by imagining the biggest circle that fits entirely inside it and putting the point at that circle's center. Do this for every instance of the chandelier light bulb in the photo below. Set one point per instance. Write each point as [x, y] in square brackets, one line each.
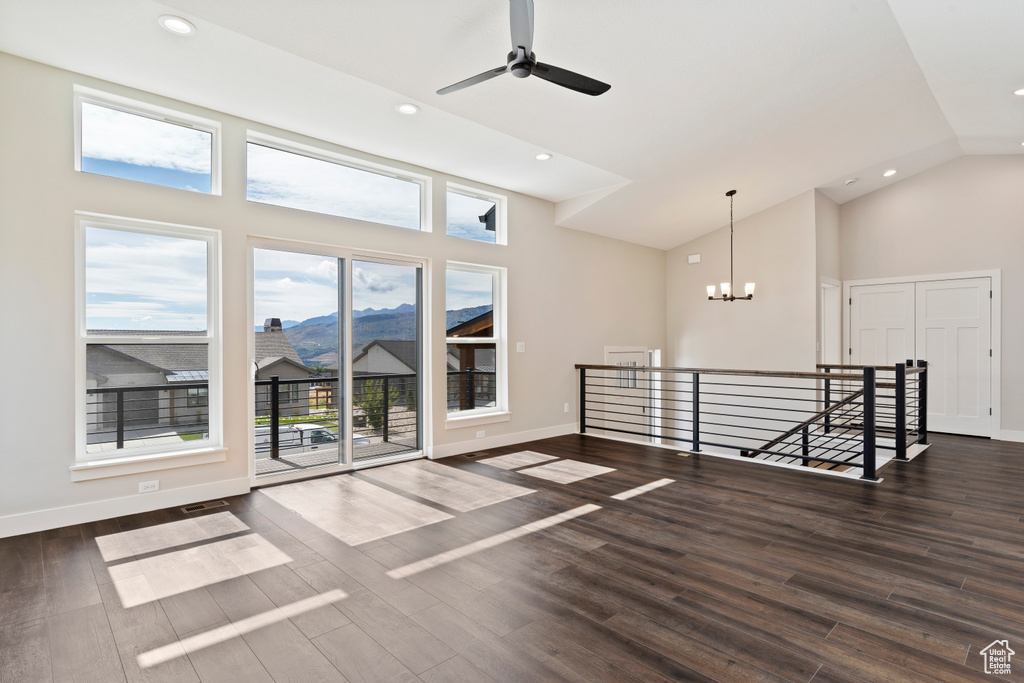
[711, 291]
[748, 289]
[726, 289]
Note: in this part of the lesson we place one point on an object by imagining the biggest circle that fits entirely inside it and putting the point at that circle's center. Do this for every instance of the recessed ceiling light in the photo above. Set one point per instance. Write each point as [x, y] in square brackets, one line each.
[543, 156]
[407, 108]
[890, 172]
[1019, 91]
[177, 25]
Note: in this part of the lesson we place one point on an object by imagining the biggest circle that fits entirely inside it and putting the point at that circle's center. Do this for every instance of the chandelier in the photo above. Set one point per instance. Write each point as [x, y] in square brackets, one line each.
[727, 290]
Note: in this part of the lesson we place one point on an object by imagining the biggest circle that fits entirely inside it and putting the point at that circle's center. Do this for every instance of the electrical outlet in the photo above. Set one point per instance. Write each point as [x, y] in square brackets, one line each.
[480, 434]
[149, 486]
[520, 347]
[566, 409]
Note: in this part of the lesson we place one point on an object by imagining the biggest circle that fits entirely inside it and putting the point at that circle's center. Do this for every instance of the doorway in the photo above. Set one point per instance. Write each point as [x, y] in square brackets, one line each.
[336, 361]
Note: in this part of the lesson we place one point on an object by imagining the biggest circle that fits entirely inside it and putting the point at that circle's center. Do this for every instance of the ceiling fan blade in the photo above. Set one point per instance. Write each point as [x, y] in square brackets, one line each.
[521, 14]
[479, 78]
[570, 79]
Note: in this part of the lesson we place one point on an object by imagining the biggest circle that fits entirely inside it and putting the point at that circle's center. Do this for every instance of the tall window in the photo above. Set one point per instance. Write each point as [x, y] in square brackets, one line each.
[475, 336]
[135, 141]
[148, 336]
[476, 215]
[312, 180]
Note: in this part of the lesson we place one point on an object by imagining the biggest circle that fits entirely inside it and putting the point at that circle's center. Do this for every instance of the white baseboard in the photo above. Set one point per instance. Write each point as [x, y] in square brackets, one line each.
[459, 447]
[54, 518]
[1010, 435]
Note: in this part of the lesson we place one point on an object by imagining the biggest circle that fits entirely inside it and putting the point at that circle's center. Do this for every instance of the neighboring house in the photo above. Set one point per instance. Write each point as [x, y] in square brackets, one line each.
[386, 357]
[153, 371]
[471, 379]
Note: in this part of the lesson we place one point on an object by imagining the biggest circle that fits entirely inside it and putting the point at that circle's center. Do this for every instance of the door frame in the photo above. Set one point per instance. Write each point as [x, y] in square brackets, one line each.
[350, 254]
[995, 322]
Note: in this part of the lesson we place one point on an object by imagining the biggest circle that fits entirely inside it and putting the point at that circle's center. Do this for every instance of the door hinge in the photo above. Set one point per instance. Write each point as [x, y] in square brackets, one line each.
[849, 351]
[989, 411]
[851, 300]
[990, 353]
[990, 294]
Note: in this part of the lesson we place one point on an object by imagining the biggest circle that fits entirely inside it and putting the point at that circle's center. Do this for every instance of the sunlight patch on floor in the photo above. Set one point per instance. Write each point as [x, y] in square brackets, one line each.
[453, 488]
[161, 576]
[490, 542]
[162, 537]
[516, 460]
[626, 495]
[566, 471]
[237, 629]
[353, 510]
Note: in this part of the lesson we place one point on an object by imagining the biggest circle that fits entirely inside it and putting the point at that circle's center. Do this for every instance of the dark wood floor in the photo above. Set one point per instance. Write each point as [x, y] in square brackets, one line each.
[733, 572]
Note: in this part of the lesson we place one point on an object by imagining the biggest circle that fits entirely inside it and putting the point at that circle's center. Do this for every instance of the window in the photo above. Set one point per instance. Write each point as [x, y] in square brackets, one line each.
[148, 338]
[126, 139]
[198, 397]
[475, 348]
[314, 180]
[476, 215]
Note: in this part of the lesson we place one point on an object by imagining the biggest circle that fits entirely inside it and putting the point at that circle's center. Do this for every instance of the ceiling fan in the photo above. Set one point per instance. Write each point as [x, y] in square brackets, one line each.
[523, 63]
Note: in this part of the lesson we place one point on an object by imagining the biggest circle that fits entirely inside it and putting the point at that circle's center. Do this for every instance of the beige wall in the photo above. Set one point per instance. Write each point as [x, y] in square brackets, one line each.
[569, 295]
[965, 215]
[776, 331]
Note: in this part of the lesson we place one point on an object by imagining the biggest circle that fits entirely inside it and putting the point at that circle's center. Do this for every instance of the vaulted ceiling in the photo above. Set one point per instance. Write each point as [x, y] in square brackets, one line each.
[770, 98]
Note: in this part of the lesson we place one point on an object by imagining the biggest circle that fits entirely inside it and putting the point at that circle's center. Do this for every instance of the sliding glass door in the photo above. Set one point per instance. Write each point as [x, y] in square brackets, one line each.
[336, 361]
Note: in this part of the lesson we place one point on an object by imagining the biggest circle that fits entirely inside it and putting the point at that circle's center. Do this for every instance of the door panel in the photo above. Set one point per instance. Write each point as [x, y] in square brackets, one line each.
[881, 324]
[954, 336]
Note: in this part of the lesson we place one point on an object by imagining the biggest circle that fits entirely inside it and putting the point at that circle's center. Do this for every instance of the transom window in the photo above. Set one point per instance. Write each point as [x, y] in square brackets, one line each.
[135, 141]
[475, 215]
[312, 180]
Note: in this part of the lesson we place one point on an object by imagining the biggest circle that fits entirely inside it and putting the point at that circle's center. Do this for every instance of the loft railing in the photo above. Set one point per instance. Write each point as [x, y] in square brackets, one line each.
[901, 412]
[813, 419]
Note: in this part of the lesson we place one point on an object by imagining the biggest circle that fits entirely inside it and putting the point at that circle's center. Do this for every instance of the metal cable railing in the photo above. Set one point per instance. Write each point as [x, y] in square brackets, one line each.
[820, 419]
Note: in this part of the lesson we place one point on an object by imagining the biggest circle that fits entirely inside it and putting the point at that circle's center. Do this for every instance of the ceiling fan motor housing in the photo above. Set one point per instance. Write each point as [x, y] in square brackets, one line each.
[519, 64]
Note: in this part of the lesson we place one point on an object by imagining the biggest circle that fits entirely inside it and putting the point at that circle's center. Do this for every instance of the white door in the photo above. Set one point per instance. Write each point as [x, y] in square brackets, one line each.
[882, 324]
[953, 335]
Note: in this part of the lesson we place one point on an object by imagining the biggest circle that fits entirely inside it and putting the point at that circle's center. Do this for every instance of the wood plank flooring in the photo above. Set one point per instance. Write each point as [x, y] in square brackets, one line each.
[469, 570]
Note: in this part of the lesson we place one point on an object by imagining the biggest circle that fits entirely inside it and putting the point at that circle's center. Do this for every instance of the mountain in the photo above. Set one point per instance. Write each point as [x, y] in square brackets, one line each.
[315, 339]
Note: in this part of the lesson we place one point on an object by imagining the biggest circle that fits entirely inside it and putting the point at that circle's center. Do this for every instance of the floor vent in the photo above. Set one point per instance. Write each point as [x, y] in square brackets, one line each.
[205, 506]
[478, 454]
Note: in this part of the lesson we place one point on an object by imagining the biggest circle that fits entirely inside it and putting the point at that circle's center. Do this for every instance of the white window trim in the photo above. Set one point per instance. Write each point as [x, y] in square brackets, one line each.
[151, 111]
[501, 211]
[322, 154]
[116, 463]
[465, 418]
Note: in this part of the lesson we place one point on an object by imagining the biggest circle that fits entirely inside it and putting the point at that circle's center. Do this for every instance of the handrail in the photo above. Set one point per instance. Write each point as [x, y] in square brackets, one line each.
[812, 420]
[718, 371]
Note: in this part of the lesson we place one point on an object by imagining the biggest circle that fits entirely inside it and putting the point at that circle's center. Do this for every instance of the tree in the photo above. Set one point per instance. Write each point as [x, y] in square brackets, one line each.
[374, 401]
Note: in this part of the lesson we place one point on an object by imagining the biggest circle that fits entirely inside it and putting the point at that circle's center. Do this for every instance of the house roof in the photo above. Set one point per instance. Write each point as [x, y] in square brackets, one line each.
[474, 327]
[276, 345]
[403, 350]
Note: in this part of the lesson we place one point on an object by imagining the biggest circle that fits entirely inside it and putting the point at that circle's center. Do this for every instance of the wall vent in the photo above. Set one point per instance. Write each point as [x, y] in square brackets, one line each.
[209, 505]
[477, 454]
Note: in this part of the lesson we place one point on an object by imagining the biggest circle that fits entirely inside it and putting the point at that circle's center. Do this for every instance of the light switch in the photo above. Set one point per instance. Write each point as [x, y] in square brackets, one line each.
[520, 347]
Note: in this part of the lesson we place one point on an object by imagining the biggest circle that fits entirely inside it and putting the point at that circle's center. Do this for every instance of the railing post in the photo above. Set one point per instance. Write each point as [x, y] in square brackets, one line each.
[805, 445]
[472, 388]
[387, 407]
[901, 411]
[828, 402]
[583, 401]
[275, 417]
[120, 418]
[695, 422]
[922, 403]
[868, 465]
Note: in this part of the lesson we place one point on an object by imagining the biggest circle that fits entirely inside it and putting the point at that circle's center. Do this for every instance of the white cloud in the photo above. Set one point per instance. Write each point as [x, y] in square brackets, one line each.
[118, 136]
[468, 290]
[299, 182]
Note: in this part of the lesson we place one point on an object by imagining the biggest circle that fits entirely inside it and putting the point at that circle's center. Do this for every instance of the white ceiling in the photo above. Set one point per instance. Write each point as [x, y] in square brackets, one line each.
[770, 98]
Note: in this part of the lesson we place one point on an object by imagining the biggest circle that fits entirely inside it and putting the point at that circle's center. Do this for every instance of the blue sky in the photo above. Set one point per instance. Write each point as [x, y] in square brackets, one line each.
[300, 182]
[144, 282]
[135, 147]
[468, 290]
[464, 217]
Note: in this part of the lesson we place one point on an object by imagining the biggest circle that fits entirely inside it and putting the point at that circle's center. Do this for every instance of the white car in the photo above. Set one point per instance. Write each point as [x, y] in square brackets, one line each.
[301, 438]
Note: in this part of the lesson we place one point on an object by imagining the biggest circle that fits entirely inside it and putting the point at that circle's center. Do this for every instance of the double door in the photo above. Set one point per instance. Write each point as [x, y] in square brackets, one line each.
[945, 322]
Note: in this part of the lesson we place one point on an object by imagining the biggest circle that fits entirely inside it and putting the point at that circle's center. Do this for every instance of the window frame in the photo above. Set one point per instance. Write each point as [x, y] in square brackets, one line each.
[425, 182]
[126, 105]
[144, 458]
[500, 411]
[500, 211]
